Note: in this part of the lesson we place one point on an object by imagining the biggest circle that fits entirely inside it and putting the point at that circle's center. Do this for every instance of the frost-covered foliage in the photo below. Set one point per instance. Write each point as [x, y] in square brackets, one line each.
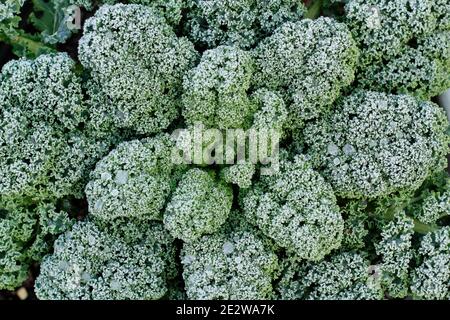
[422, 71]
[271, 111]
[404, 44]
[171, 10]
[344, 276]
[89, 263]
[216, 90]
[199, 205]
[217, 93]
[297, 209]
[396, 253]
[44, 153]
[355, 225]
[224, 142]
[133, 181]
[310, 61]
[435, 206]
[374, 144]
[240, 174]
[237, 22]
[224, 149]
[228, 265]
[384, 27]
[137, 64]
[26, 235]
[8, 12]
[431, 279]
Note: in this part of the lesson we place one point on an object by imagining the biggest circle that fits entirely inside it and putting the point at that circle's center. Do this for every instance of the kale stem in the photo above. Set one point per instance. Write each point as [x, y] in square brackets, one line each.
[314, 10]
[419, 227]
[423, 228]
[24, 40]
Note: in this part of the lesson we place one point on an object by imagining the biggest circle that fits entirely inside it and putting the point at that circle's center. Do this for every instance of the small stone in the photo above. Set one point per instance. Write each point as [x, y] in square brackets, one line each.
[336, 161]
[22, 293]
[115, 192]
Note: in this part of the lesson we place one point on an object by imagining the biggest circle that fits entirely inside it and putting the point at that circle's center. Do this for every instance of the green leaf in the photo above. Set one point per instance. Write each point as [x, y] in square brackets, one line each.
[23, 44]
[49, 17]
[9, 16]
